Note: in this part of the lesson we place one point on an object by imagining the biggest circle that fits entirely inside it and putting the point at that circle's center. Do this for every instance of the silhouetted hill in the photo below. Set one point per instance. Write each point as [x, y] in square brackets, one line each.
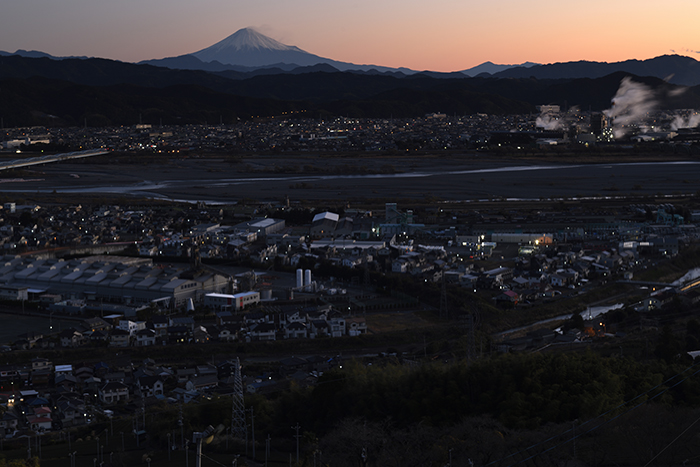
[677, 68]
[41, 101]
[102, 72]
[110, 92]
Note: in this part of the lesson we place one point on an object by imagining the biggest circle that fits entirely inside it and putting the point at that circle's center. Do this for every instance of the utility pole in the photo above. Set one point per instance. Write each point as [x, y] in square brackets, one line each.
[297, 436]
[444, 310]
[182, 428]
[267, 449]
[252, 429]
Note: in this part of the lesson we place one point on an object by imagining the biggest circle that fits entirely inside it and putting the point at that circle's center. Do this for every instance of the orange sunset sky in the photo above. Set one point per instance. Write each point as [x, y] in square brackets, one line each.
[439, 35]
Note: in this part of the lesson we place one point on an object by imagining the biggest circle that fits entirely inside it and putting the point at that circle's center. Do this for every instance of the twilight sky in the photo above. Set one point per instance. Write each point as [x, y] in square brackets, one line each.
[439, 35]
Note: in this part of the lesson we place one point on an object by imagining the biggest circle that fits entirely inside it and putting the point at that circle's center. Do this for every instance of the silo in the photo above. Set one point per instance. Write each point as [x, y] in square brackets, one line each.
[300, 278]
[307, 279]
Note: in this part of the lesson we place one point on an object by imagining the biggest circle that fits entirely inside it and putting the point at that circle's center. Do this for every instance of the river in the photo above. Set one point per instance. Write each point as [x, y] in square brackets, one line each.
[464, 180]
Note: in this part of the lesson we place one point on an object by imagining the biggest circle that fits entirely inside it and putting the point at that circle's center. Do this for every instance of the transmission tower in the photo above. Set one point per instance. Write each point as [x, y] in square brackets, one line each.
[238, 427]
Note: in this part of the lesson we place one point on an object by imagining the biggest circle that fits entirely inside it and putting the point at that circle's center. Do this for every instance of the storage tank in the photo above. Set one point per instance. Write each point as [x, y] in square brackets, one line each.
[307, 279]
[300, 277]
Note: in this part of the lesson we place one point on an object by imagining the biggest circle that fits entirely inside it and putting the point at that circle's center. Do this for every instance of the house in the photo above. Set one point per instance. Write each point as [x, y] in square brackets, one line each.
[68, 382]
[9, 422]
[201, 383]
[319, 328]
[184, 374]
[40, 420]
[200, 335]
[507, 296]
[145, 337]
[356, 326]
[71, 412]
[295, 330]
[119, 338]
[263, 386]
[336, 321]
[71, 337]
[160, 325]
[96, 324]
[178, 334]
[182, 321]
[113, 392]
[41, 364]
[130, 326]
[150, 386]
[262, 332]
[227, 333]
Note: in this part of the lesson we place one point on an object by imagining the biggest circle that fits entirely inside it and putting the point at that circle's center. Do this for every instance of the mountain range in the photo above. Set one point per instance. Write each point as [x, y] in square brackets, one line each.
[251, 74]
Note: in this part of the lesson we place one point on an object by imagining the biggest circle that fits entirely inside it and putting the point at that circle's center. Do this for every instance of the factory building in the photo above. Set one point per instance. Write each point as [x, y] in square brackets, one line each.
[235, 302]
[111, 279]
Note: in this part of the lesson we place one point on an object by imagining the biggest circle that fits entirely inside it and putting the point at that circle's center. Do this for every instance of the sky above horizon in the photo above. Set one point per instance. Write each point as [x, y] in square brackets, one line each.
[438, 35]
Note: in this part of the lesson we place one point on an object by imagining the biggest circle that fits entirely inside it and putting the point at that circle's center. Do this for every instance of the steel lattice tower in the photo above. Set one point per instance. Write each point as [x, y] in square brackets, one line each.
[238, 427]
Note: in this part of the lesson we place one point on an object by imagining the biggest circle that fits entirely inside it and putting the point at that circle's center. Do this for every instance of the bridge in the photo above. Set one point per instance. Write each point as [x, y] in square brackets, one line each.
[13, 164]
[651, 284]
[692, 283]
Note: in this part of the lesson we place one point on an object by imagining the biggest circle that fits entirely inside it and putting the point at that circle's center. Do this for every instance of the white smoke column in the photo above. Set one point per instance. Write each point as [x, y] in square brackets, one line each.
[548, 122]
[632, 102]
[691, 122]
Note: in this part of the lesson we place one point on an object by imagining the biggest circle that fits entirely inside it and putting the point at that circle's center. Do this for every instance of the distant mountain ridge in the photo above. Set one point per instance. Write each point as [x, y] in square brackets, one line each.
[37, 54]
[676, 69]
[492, 68]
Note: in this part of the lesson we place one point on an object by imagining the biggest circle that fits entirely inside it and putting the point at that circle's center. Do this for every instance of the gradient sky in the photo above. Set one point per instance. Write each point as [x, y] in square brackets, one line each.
[439, 35]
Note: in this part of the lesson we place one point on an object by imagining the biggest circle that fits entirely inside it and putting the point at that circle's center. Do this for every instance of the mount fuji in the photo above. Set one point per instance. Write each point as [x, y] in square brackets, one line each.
[249, 49]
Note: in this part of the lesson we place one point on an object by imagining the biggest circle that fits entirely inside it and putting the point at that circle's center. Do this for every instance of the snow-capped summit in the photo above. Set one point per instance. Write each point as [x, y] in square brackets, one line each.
[248, 47]
[248, 38]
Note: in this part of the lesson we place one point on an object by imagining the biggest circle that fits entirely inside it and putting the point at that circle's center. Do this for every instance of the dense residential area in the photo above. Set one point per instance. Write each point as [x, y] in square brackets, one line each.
[145, 321]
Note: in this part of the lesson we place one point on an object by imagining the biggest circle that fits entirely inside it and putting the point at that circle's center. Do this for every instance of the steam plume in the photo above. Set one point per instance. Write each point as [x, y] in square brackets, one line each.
[630, 105]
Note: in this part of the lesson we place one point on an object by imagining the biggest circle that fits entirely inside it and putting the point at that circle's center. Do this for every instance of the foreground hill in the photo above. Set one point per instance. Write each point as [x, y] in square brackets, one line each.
[41, 91]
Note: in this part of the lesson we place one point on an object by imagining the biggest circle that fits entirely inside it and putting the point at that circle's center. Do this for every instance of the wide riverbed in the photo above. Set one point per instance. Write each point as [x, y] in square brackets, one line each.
[454, 179]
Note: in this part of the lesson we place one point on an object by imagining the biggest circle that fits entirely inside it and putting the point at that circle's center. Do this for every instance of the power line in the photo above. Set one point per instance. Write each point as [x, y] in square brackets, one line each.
[599, 416]
[610, 420]
[669, 444]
